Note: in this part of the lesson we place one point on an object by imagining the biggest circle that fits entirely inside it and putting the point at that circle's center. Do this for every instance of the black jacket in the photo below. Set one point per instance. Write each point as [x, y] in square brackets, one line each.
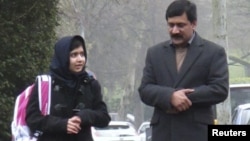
[85, 100]
[204, 69]
[72, 94]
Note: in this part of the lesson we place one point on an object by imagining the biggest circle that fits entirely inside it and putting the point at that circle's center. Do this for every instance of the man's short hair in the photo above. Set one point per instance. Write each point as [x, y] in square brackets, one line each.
[179, 7]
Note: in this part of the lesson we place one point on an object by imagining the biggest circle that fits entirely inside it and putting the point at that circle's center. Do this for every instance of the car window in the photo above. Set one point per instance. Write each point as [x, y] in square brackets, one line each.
[245, 116]
[239, 95]
[241, 115]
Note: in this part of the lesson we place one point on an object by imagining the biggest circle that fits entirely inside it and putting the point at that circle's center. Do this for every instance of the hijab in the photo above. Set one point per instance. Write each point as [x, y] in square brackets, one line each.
[59, 67]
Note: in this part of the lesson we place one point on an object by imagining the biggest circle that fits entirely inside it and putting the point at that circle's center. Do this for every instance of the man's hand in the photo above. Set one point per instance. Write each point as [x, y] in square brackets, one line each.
[73, 126]
[180, 101]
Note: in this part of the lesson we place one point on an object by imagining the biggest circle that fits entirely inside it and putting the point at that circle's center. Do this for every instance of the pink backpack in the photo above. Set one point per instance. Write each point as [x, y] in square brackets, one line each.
[19, 129]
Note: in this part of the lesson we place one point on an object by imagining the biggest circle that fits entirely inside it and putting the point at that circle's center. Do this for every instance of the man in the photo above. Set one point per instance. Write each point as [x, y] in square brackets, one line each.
[183, 78]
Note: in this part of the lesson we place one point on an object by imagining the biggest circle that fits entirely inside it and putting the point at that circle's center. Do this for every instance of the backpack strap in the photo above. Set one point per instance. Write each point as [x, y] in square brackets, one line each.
[20, 106]
[44, 93]
[19, 128]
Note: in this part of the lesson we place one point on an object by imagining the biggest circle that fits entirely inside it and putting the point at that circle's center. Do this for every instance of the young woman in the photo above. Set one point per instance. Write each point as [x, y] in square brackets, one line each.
[76, 99]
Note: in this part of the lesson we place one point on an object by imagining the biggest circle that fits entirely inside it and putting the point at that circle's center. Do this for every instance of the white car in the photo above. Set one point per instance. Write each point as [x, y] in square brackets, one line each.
[241, 114]
[116, 131]
[142, 130]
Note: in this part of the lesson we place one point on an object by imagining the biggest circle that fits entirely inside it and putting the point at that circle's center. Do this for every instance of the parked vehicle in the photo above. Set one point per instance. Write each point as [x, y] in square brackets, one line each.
[241, 114]
[116, 131]
[239, 94]
[144, 131]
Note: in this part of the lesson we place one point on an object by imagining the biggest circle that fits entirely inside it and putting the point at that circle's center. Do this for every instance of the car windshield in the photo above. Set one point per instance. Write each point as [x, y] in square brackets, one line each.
[241, 116]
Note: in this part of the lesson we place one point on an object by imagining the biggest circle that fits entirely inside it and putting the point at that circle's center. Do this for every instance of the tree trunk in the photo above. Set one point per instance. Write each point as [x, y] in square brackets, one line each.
[223, 110]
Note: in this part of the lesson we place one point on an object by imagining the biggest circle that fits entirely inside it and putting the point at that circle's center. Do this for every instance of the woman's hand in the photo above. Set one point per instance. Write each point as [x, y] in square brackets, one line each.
[73, 126]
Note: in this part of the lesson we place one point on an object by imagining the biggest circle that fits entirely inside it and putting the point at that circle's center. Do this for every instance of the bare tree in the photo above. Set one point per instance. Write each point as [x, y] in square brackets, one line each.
[220, 29]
